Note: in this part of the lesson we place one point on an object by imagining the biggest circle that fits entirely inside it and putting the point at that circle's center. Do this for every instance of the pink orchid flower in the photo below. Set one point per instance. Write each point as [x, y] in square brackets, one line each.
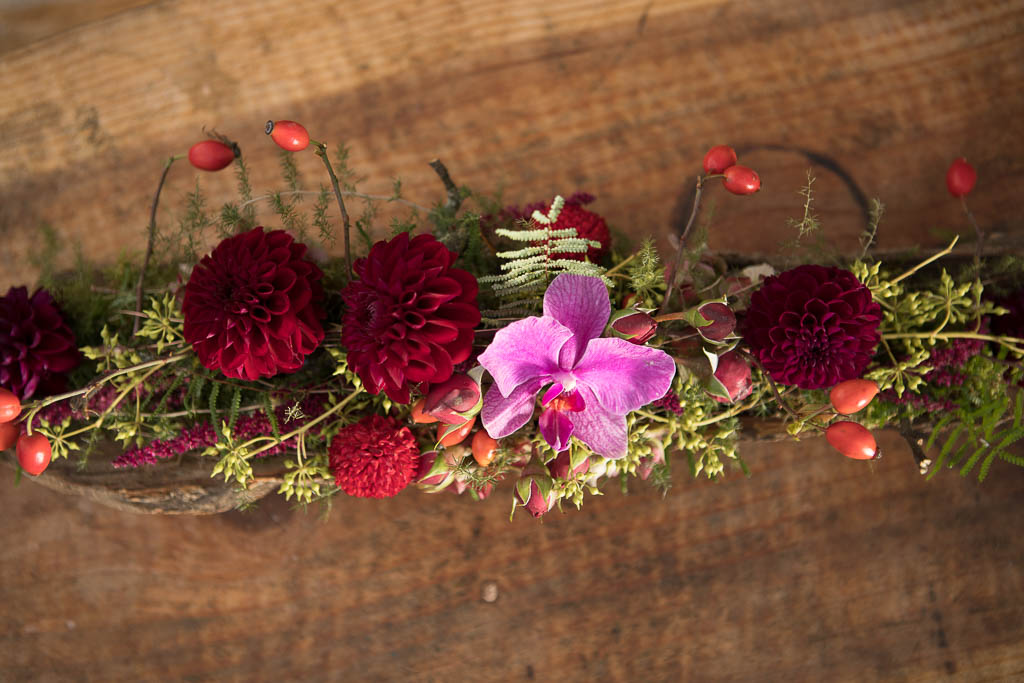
[592, 383]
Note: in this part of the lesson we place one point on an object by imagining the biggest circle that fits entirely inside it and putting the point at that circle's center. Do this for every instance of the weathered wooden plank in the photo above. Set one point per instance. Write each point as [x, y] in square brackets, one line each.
[816, 568]
[620, 98]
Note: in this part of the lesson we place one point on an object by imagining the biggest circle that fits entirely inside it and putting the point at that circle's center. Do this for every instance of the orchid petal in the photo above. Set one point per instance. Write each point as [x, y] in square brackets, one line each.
[602, 430]
[624, 376]
[551, 394]
[556, 429]
[525, 350]
[580, 303]
[501, 416]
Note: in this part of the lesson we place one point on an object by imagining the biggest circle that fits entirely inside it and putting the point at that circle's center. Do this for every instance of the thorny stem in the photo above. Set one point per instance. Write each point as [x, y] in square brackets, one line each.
[681, 252]
[454, 197]
[321, 151]
[151, 237]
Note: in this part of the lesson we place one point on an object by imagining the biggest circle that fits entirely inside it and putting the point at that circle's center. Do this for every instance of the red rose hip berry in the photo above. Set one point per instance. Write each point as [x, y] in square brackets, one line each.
[10, 406]
[741, 180]
[9, 432]
[34, 453]
[719, 158]
[484, 448]
[852, 395]
[288, 135]
[211, 155]
[960, 178]
[852, 440]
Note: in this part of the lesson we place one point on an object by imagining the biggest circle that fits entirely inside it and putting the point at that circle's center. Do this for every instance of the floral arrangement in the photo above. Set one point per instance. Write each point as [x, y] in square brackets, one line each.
[505, 343]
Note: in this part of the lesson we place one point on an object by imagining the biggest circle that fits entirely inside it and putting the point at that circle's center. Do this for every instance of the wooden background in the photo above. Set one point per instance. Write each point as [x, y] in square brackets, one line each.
[814, 569]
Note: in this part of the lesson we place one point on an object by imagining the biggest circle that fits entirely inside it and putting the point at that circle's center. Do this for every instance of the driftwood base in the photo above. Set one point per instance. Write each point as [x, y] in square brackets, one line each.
[185, 487]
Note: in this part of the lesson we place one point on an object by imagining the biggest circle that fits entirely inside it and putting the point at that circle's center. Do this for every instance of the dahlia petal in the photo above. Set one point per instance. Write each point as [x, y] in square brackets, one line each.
[502, 415]
[602, 430]
[580, 303]
[625, 376]
[526, 350]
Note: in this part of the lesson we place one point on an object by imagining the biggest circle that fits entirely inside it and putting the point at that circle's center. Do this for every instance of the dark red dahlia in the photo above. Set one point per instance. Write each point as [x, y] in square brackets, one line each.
[37, 348]
[410, 316]
[253, 307]
[374, 458]
[813, 326]
[589, 226]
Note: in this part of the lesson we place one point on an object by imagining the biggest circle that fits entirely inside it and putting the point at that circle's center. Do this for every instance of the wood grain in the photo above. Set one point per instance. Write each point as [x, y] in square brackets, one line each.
[817, 568]
[619, 98]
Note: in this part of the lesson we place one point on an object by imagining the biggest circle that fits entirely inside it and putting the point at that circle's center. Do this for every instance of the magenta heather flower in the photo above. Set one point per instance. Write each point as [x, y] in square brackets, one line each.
[813, 326]
[37, 348]
[253, 307]
[410, 315]
[591, 383]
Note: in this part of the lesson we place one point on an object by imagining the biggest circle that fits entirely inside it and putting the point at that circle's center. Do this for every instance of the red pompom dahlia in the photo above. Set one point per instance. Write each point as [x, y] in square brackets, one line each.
[37, 348]
[813, 326]
[252, 307]
[375, 458]
[410, 316]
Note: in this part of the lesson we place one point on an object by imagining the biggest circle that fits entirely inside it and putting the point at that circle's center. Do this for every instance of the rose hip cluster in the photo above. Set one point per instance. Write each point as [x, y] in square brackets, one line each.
[721, 160]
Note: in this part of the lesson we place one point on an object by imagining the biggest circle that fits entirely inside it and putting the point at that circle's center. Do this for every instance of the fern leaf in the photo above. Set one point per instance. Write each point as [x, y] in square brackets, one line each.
[985, 465]
[236, 404]
[214, 393]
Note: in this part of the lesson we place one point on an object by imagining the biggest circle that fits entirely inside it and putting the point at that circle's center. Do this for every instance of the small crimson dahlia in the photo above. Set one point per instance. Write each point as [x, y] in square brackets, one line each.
[37, 348]
[409, 317]
[813, 326]
[252, 307]
[374, 458]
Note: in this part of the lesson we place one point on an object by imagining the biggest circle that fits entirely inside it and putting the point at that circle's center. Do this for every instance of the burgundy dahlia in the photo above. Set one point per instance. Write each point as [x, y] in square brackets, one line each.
[409, 317]
[588, 225]
[374, 458]
[253, 307]
[37, 348]
[813, 326]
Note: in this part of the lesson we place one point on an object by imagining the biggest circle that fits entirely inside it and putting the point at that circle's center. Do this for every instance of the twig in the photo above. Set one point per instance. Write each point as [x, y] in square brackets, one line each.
[321, 151]
[771, 383]
[682, 245]
[454, 196]
[151, 230]
[915, 440]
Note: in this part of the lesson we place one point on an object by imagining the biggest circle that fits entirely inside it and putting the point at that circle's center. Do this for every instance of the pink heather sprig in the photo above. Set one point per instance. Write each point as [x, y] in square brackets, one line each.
[669, 402]
[947, 364]
[202, 435]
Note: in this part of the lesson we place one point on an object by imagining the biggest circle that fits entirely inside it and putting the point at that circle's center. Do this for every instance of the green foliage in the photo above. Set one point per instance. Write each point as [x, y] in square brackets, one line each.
[192, 225]
[527, 272]
[163, 323]
[809, 223]
[233, 457]
[979, 435]
[646, 275]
